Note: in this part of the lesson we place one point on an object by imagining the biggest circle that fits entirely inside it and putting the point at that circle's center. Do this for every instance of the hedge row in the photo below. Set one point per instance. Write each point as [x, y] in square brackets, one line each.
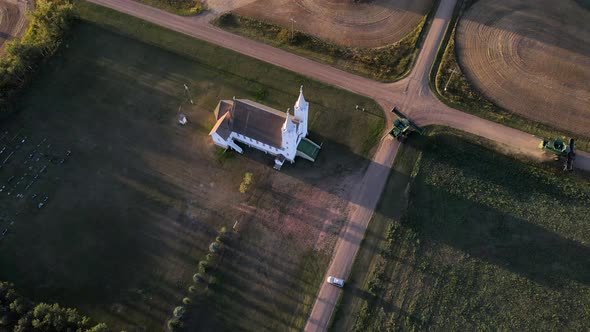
[203, 280]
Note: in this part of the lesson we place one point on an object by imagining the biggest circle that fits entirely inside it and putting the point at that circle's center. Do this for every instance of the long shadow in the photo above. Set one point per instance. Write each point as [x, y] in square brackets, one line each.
[122, 212]
[509, 242]
[5, 36]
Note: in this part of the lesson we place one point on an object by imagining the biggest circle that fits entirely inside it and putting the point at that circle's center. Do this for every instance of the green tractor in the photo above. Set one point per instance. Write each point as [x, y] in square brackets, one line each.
[402, 126]
[561, 149]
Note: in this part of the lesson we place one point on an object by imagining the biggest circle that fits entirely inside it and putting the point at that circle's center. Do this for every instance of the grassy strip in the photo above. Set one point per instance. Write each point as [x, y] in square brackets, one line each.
[474, 249]
[457, 92]
[178, 7]
[369, 260]
[388, 63]
[312, 268]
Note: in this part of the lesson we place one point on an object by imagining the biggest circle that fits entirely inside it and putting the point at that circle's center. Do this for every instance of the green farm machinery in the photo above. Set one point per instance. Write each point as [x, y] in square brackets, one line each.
[561, 149]
[402, 126]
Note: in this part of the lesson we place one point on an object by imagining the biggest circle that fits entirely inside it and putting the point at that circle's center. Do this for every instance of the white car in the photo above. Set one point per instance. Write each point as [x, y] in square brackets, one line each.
[335, 281]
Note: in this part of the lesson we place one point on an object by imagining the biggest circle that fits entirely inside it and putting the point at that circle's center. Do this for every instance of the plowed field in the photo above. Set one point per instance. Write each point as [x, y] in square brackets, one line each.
[369, 24]
[531, 57]
[12, 21]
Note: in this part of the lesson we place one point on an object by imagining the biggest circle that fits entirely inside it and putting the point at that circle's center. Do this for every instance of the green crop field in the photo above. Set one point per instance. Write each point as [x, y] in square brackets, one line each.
[134, 208]
[467, 239]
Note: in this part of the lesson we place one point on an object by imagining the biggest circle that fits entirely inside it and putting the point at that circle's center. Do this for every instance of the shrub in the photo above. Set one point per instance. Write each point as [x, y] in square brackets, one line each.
[174, 324]
[246, 182]
[215, 247]
[179, 311]
[227, 19]
[197, 277]
[209, 258]
[192, 289]
[186, 301]
[203, 266]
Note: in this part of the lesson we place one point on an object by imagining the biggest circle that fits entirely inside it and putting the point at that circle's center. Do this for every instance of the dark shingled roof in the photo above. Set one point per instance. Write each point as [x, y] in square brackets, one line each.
[251, 119]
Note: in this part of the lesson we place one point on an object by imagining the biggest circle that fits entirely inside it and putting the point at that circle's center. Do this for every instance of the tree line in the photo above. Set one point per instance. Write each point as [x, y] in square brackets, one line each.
[48, 24]
[18, 314]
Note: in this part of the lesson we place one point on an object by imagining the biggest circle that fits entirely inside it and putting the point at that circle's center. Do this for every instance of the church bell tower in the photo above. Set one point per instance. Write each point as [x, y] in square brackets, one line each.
[301, 113]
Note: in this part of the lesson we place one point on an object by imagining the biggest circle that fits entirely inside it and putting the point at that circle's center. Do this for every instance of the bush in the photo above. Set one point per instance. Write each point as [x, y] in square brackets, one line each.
[192, 289]
[197, 277]
[179, 311]
[215, 247]
[174, 324]
[186, 301]
[209, 258]
[203, 266]
[246, 182]
[227, 19]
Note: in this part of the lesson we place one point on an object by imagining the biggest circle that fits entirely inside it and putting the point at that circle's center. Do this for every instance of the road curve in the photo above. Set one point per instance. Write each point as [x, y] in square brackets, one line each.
[412, 95]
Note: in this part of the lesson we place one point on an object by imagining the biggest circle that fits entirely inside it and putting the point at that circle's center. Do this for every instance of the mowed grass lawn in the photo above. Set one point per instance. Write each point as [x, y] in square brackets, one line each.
[467, 239]
[134, 209]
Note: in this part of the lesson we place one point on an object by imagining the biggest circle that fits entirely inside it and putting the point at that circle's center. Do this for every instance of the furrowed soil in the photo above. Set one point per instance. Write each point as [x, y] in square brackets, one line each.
[133, 209]
[531, 57]
[467, 239]
[365, 24]
[12, 20]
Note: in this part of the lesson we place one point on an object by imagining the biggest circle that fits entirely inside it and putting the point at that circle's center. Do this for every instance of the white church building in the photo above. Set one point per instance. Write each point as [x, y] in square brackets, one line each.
[255, 125]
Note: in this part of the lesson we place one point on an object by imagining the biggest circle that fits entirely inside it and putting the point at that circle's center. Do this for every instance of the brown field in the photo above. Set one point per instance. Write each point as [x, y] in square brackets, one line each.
[12, 20]
[370, 24]
[531, 57]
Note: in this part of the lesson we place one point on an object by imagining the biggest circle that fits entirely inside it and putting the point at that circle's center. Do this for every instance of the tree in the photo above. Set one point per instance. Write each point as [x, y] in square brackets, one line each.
[186, 301]
[179, 311]
[215, 247]
[203, 266]
[197, 277]
[174, 324]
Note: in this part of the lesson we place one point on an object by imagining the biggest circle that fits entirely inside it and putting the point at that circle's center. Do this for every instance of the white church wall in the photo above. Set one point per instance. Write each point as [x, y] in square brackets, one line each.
[219, 141]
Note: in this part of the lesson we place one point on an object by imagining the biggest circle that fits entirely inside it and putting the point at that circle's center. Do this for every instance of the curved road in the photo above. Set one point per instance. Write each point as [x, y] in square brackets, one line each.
[412, 95]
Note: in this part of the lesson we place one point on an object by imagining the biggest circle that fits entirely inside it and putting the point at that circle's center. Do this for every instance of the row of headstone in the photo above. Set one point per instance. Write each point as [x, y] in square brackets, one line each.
[26, 173]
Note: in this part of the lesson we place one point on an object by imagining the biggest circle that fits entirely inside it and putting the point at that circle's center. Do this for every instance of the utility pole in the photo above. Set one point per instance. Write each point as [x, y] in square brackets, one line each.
[292, 28]
[450, 78]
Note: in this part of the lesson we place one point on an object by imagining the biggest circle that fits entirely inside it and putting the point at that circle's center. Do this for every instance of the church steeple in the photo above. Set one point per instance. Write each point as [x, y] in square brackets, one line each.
[301, 102]
[301, 113]
[288, 125]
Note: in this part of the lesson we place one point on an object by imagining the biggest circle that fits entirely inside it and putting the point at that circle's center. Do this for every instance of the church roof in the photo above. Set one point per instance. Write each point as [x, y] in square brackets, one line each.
[251, 119]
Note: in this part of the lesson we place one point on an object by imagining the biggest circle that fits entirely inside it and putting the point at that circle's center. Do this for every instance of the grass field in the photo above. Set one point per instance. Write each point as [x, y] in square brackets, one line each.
[463, 95]
[467, 239]
[133, 209]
